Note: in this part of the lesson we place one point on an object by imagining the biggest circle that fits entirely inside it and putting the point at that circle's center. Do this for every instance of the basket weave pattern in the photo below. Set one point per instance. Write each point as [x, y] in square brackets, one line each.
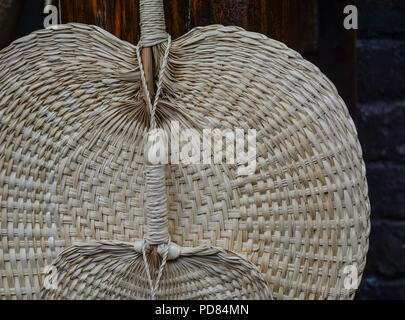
[72, 135]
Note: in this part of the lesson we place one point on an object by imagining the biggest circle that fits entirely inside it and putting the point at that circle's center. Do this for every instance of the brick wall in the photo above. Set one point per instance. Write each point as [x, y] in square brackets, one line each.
[381, 127]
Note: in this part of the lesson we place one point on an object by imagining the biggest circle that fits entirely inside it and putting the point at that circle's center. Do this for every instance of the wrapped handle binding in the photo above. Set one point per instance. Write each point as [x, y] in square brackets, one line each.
[153, 25]
[158, 226]
[153, 31]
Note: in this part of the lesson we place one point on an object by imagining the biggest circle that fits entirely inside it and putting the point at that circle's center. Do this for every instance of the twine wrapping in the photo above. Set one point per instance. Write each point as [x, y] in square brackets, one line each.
[155, 174]
[157, 205]
[153, 32]
[153, 26]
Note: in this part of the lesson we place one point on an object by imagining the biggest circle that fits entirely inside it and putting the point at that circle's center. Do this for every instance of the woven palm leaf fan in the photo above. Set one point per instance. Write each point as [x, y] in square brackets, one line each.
[85, 214]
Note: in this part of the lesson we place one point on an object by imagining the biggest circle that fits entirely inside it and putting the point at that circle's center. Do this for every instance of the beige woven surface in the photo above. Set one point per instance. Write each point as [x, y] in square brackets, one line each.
[72, 131]
[112, 270]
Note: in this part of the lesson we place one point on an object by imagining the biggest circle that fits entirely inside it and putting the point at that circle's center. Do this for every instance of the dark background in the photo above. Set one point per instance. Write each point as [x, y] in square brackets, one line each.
[381, 127]
[375, 97]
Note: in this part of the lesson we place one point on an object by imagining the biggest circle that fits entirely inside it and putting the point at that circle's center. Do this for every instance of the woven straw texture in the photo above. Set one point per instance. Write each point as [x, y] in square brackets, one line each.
[217, 274]
[72, 133]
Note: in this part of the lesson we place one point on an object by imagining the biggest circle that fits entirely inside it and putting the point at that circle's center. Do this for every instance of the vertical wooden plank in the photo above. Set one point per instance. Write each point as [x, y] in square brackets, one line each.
[337, 51]
[293, 22]
[259, 16]
[122, 19]
[276, 18]
[226, 12]
[177, 14]
[119, 17]
[89, 12]
[290, 28]
[309, 26]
